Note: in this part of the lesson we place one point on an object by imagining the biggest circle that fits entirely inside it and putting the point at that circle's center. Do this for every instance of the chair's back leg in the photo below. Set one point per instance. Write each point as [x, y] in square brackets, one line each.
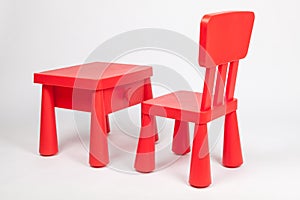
[232, 153]
[181, 138]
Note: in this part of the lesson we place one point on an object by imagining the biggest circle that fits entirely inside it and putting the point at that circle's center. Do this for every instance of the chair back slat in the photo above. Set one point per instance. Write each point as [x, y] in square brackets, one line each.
[208, 89]
[230, 87]
[220, 85]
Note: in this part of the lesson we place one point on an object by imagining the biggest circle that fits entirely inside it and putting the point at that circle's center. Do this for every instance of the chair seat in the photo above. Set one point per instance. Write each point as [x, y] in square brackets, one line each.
[185, 106]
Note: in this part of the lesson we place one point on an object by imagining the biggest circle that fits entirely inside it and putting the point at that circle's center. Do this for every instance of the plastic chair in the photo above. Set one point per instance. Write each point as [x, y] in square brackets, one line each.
[224, 40]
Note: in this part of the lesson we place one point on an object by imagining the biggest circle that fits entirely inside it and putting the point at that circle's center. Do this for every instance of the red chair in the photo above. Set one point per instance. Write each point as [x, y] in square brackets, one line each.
[224, 40]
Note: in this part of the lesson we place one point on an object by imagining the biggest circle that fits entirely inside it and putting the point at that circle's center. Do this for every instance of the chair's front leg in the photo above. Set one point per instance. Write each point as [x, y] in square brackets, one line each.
[200, 161]
[145, 155]
[181, 138]
[98, 136]
[48, 137]
[232, 153]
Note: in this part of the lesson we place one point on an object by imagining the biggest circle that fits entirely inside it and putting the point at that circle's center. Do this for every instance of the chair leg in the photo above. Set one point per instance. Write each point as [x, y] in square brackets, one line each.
[48, 136]
[200, 160]
[232, 153]
[181, 138]
[107, 124]
[145, 156]
[98, 136]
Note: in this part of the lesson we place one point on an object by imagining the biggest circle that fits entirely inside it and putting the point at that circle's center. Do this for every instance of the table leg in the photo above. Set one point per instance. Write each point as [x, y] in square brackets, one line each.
[149, 95]
[48, 136]
[98, 136]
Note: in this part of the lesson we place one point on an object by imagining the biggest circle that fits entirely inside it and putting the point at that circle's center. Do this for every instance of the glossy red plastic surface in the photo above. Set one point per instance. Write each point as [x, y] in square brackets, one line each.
[99, 88]
[181, 138]
[185, 106]
[48, 137]
[224, 40]
[93, 76]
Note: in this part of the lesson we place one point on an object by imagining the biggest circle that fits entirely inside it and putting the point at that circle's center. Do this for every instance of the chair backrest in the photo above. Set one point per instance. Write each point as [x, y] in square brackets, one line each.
[224, 40]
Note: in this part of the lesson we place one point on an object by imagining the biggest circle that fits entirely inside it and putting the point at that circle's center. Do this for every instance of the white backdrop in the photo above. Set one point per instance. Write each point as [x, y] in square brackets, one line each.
[39, 35]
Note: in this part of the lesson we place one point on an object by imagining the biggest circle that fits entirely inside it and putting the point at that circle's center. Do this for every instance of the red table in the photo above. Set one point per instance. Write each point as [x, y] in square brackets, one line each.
[99, 88]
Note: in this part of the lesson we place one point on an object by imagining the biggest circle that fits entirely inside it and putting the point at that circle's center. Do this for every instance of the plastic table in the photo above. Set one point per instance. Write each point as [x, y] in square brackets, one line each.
[99, 88]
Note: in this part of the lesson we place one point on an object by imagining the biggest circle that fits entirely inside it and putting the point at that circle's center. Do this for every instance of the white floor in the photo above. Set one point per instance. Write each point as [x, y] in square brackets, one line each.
[270, 171]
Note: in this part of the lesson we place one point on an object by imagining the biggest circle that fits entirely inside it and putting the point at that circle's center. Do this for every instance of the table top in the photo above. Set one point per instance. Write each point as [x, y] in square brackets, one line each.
[94, 76]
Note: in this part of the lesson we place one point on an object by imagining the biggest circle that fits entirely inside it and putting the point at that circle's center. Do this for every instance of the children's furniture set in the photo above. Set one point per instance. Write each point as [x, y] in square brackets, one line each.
[102, 88]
